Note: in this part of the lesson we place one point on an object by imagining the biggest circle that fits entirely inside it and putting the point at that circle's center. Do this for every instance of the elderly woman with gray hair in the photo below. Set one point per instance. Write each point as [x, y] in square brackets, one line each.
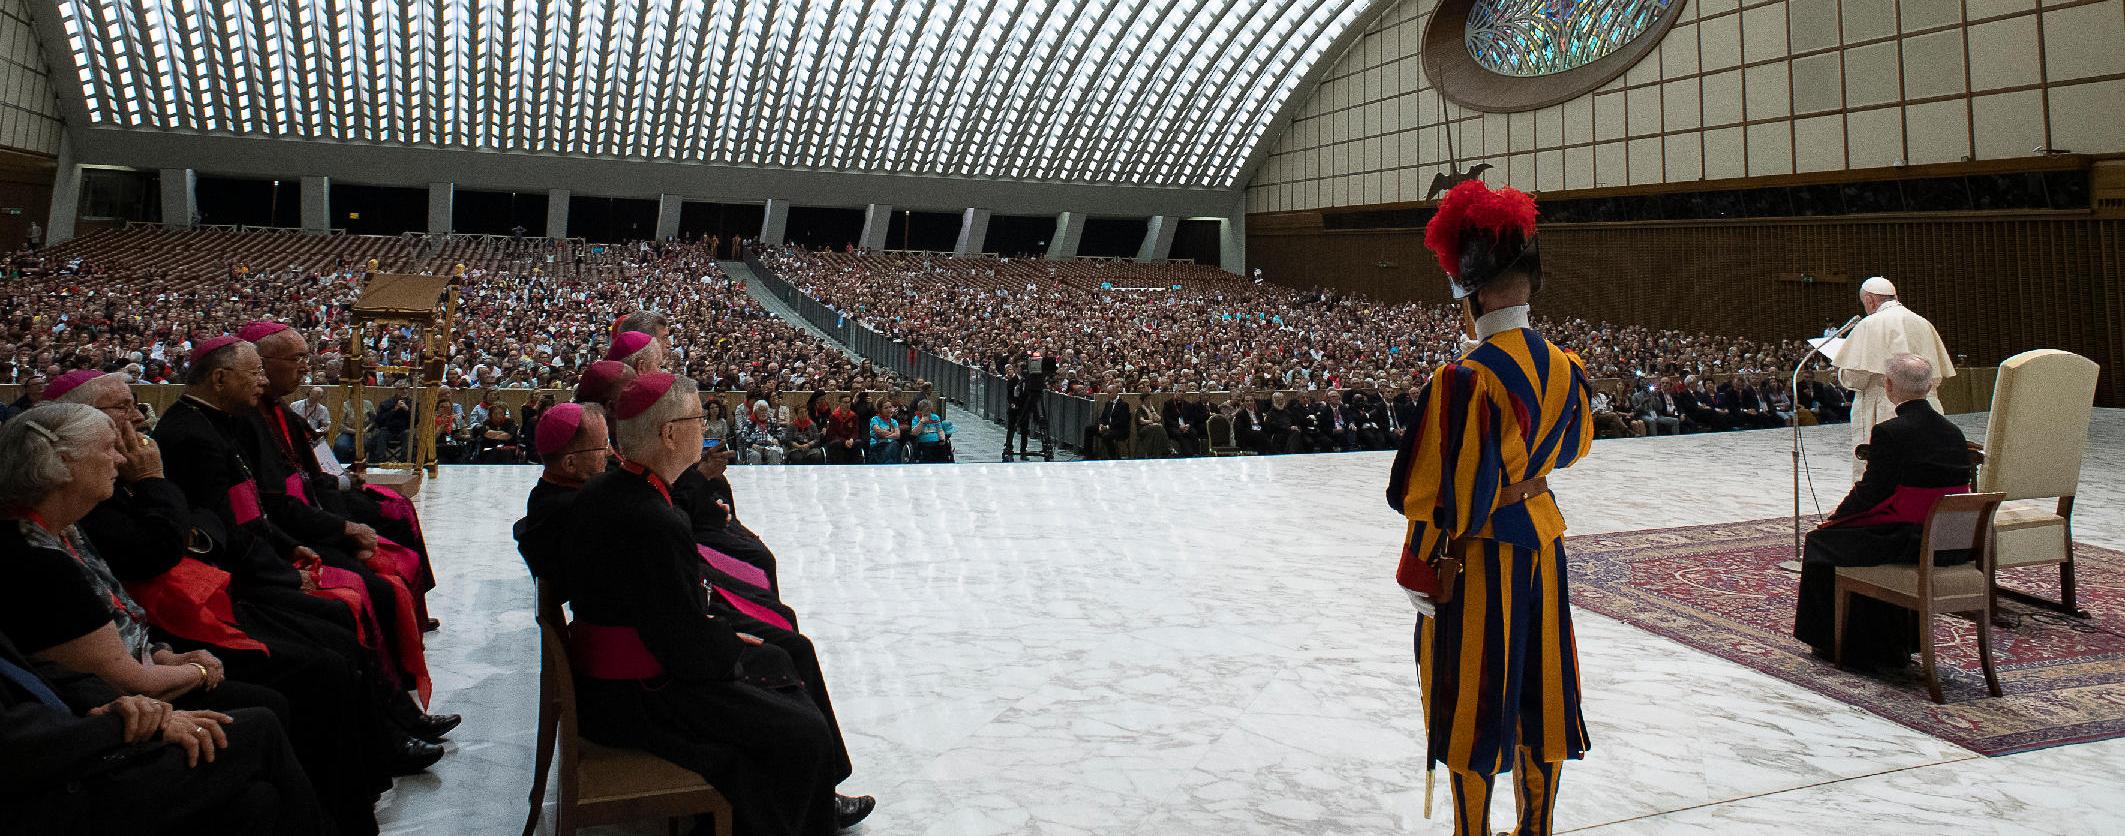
[62, 605]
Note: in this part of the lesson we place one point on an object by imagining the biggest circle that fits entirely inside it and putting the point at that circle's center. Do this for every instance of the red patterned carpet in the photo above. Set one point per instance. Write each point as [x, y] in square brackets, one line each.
[1718, 588]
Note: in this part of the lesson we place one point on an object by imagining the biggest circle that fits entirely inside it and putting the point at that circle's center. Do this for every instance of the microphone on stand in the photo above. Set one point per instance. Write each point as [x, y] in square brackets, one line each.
[1815, 346]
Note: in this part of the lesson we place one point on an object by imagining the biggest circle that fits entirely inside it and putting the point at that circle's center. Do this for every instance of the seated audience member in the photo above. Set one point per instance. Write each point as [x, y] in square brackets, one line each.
[1655, 407]
[495, 440]
[844, 434]
[658, 670]
[718, 424]
[884, 435]
[574, 445]
[1608, 423]
[1285, 426]
[759, 438]
[1335, 420]
[1182, 431]
[1248, 431]
[1913, 460]
[1370, 420]
[932, 435]
[75, 757]
[806, 443]
[1108, 437]
[394, 418]
[1151, 440]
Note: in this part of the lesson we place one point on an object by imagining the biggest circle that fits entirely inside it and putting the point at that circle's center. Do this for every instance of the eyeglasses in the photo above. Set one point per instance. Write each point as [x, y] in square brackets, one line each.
[698, 416]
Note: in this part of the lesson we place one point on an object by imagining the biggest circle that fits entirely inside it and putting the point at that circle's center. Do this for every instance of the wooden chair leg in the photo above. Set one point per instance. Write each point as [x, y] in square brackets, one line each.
[1925, 654]
[1837, 643]
[542, 764]
[1984, 652]
[2067, 596]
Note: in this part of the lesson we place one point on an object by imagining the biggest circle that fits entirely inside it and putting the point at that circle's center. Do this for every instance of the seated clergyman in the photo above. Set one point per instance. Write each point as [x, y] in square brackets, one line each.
[1913, 459]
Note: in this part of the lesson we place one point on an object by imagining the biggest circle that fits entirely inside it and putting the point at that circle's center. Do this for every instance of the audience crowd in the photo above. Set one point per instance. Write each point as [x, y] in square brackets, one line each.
[137, 300]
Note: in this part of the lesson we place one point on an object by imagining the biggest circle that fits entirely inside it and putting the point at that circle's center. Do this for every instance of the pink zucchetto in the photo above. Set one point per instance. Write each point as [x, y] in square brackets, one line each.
[66, 383]
[602, 381]
[626, 343]
[211, 345]
[260, 330]
[558, 427]
[642, 394]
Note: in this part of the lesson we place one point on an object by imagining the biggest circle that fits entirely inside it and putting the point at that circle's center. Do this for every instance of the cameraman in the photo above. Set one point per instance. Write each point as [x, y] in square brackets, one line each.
[1021, 398]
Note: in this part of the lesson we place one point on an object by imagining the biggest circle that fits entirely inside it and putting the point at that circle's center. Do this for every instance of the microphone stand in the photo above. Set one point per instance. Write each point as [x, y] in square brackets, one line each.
[1793, 388]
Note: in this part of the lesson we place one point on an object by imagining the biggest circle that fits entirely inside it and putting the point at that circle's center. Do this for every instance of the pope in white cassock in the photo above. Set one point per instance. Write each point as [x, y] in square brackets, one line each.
[1863, 362]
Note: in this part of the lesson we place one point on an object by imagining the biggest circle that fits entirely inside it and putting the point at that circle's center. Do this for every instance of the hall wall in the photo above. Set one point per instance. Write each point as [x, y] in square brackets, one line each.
[1994, 285]
[29, 114]
[1736, 89]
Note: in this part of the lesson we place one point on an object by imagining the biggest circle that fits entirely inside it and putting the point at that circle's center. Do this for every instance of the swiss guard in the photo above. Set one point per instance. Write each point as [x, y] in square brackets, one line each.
[1484, 558]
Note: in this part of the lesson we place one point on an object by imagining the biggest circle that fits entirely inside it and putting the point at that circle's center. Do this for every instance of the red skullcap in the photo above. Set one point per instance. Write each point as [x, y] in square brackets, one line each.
[603, 380]
[211, 345]
[557, 427]
[66, 383]
[260, 330]
[625, 344]
[643, 394]
[1473, 205]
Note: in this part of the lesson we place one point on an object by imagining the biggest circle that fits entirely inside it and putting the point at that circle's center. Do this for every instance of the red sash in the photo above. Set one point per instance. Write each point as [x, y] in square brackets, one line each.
[192, 600]
[602, 652]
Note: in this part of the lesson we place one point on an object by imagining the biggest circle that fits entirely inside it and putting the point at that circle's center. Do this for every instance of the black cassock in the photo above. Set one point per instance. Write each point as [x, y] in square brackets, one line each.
[1913, 459]
[739, 715]
[336, 728]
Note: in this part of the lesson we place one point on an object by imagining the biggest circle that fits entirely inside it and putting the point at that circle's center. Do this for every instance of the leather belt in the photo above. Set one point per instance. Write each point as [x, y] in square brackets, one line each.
[1518, 492]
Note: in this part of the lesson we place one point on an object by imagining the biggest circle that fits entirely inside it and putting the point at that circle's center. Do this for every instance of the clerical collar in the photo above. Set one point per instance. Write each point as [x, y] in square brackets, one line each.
[1886, 303]
[1502, 319]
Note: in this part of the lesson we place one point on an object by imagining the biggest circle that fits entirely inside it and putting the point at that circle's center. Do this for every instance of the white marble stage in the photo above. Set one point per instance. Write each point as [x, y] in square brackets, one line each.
[1217, 647]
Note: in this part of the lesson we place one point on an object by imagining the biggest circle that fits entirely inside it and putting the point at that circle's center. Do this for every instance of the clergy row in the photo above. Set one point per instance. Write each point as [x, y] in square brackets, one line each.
[681, 643]
[204, 631]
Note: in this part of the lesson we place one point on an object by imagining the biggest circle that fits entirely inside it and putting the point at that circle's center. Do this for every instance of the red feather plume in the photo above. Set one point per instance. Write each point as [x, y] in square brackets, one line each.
[1473, 205]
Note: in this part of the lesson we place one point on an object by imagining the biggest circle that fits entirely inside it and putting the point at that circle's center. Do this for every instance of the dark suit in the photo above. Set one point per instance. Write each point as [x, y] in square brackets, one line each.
[1912, 459]
[1114, 415]
[62, 772]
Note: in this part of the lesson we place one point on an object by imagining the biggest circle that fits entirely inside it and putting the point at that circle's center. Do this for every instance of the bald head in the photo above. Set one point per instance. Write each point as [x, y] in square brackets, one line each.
[1910, 378]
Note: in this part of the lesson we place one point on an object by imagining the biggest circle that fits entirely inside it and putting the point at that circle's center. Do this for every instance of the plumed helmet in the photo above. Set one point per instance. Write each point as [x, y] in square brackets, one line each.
[1480, 234]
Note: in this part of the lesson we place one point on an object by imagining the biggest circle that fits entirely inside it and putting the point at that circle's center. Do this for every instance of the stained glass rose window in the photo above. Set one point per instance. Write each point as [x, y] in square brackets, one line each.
[1528, 38]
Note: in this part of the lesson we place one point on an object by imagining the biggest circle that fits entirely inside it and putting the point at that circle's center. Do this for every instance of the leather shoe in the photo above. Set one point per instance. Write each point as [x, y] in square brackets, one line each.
[413, 757]
[850, 809]
[432, 727]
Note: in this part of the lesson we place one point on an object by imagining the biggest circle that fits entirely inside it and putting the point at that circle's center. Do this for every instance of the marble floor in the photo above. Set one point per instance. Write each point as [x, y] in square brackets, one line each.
[1216, 647]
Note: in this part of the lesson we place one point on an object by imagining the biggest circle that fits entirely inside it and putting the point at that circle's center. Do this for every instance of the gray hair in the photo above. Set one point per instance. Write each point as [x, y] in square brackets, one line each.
[646, 321]
[35, 447]
[642, 433]
[87, 392]
[1910, 373]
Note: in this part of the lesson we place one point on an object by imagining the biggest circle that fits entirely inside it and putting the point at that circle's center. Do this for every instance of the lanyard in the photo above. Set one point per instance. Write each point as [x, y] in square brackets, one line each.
[36, 519]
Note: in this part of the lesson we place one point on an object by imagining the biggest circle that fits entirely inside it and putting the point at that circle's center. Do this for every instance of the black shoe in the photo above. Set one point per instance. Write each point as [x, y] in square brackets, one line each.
[413, 757]
[850, 809]
[431, 625]
[432, 727]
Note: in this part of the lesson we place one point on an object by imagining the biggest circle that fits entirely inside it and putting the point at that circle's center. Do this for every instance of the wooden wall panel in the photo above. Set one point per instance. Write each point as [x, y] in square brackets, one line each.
[1995, 286]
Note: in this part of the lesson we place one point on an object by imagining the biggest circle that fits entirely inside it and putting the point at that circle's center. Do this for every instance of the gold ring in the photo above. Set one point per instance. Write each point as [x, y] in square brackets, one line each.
[199, 729]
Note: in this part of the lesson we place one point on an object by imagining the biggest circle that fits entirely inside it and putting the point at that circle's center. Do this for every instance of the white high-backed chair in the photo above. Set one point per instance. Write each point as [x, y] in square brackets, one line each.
[2033, 448]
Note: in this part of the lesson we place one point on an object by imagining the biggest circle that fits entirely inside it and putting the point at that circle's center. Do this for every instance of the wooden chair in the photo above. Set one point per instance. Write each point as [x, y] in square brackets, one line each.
[1959, 521]
[2034, 444]
[599, 784]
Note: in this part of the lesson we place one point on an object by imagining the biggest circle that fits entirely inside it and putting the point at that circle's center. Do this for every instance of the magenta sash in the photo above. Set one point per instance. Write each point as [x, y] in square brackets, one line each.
[752, 609]
[602, 652]
[743, 571]
[243, 502]
[295, 488]
[405, 562]
[1908, 505]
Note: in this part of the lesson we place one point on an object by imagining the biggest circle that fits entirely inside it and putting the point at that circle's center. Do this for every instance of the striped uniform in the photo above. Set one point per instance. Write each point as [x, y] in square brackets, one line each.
[1499, 664]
